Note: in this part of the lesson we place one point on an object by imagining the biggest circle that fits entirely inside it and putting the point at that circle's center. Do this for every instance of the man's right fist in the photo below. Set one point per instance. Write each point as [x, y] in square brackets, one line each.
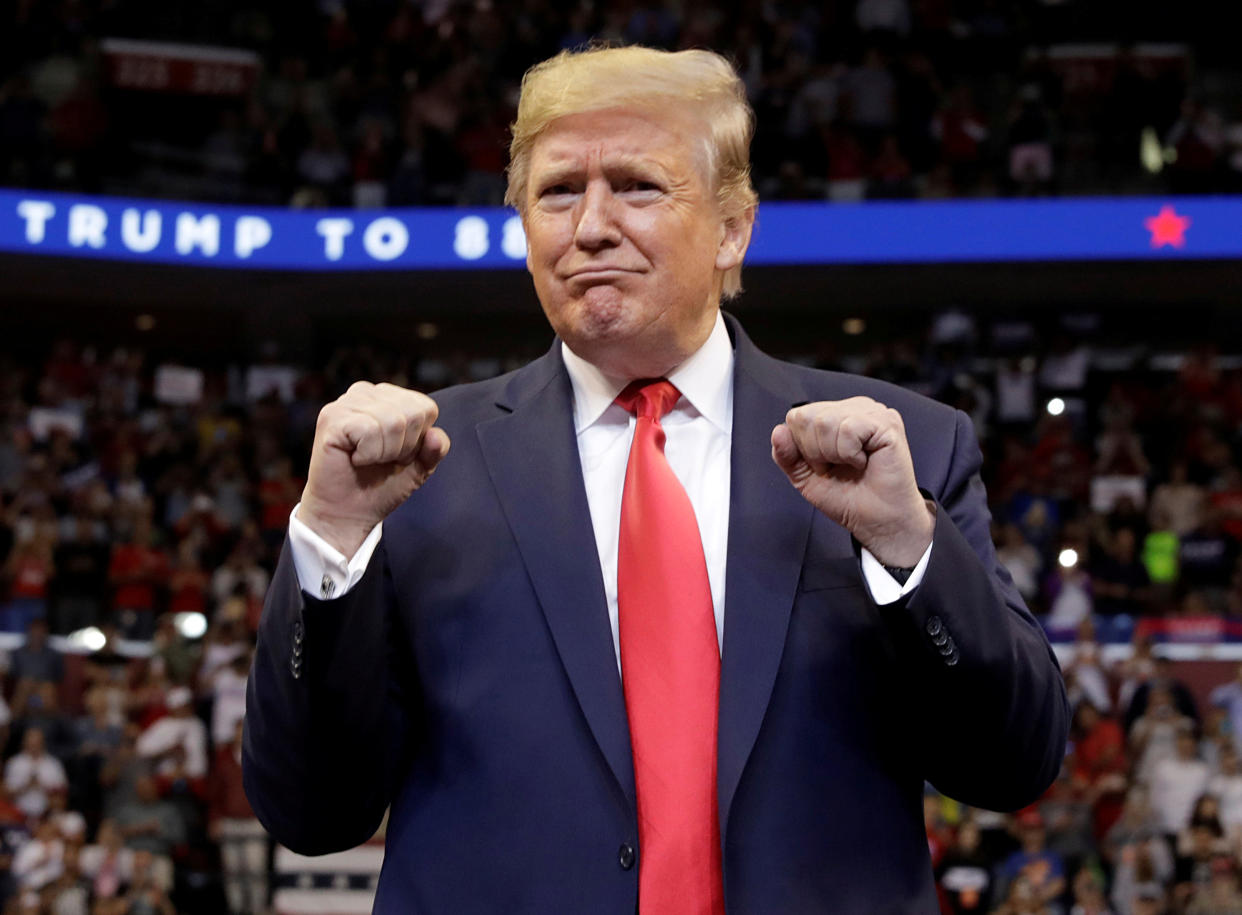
[374, 445]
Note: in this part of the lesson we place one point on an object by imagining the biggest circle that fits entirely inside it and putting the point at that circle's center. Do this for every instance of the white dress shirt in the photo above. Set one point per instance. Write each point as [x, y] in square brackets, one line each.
[698, 432]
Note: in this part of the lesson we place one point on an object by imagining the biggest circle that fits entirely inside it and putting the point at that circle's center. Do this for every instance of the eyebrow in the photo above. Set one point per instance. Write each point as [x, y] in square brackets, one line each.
[624, 163]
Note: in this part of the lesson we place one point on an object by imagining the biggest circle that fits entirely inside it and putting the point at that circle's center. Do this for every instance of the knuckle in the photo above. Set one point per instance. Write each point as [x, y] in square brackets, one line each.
[331, 415]
[393, 425]
[360, 426]
[428, 408]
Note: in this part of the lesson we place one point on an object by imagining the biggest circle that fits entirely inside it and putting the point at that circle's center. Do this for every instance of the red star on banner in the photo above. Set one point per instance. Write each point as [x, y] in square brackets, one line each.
[1167, 228]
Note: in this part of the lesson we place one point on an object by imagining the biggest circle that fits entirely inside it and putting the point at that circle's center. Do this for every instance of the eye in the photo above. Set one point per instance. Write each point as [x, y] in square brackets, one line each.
[558, 196]
[640, 188]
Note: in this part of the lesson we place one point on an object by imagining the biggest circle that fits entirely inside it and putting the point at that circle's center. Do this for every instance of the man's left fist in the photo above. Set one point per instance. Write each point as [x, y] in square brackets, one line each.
[850, 459]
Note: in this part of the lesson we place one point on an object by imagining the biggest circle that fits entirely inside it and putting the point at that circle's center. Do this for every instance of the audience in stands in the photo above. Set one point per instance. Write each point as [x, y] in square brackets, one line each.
[129, 628]
[358, 104]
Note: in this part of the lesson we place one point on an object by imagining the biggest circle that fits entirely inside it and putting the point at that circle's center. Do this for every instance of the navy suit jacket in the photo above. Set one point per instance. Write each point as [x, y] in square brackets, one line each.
[470, 682]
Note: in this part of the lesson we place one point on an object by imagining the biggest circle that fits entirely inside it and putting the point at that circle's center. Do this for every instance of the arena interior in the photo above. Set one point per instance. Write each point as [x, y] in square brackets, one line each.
[156, 414]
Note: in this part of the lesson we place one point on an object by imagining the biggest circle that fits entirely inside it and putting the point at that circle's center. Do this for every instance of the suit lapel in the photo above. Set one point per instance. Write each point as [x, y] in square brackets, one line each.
[768, 527]
[532, 458]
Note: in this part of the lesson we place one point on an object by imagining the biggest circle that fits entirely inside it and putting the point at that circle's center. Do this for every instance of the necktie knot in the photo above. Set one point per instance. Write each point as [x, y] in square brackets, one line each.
[650, 398]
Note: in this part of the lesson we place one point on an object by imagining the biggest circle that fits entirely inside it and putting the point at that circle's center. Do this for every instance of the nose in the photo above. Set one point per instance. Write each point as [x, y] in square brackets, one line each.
[596, 227]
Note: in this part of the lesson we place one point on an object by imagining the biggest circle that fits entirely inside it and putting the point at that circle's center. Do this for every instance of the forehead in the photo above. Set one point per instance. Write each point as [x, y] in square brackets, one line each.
[671, 139]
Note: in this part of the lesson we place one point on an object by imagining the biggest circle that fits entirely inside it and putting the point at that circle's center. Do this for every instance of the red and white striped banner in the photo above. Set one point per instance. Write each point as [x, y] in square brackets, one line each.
[156, 66]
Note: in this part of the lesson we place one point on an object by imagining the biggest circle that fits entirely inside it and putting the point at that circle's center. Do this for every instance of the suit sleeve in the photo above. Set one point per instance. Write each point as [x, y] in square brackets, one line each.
[992, 702]
[326, 723]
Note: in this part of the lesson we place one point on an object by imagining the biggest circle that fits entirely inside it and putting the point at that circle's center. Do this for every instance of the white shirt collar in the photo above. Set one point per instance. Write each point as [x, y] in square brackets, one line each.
[705, 381]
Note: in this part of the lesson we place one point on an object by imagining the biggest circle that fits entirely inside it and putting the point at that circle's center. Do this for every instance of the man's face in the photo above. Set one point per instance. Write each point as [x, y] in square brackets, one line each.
[626, 243]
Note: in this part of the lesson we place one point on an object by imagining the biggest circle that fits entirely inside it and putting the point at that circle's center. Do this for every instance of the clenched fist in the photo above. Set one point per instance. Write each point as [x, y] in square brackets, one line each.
[374, 445]
[850, 459]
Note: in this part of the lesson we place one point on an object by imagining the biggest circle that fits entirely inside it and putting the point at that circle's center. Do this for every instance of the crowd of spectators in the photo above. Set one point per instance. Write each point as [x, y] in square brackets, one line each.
[137, 503]
[407, 103]
[1117, 507]
[139, 497]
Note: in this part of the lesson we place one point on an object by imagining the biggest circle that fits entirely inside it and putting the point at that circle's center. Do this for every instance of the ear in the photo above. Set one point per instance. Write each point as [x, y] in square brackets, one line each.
[735, 239]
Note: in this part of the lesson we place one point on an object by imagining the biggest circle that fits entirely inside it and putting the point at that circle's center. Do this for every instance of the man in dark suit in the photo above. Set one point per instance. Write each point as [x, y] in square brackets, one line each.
[476, 654]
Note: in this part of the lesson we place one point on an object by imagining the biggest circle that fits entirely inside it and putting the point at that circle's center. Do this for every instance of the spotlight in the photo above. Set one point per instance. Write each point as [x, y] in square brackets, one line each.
[191, 625]
[90, 638]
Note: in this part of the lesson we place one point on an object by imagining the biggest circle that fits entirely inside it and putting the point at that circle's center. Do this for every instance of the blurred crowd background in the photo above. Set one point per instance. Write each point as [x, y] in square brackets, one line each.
[390, 102]
[144, 493]
[144, 505]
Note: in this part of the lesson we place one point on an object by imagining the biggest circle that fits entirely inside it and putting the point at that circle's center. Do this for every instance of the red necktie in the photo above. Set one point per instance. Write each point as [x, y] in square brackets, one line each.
[670, 666]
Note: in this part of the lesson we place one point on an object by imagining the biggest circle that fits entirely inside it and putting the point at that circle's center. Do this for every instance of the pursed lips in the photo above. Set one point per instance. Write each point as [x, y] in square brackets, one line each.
[598, 274]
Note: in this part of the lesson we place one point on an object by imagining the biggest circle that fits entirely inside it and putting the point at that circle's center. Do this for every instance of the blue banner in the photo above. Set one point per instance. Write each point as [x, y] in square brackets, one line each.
[275, 238]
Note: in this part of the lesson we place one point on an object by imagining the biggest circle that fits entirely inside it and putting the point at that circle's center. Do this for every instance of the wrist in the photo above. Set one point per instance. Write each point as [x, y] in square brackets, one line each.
[904, 548]
[343, 535]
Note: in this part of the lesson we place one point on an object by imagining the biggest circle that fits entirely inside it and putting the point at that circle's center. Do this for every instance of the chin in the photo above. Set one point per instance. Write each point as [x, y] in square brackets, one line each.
[603, 312]
[596, 321]
[622, 337]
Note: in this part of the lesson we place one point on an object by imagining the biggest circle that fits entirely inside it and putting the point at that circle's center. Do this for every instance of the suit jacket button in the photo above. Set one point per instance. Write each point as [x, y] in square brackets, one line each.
[295, 667]
[934, 626]
[625, 857]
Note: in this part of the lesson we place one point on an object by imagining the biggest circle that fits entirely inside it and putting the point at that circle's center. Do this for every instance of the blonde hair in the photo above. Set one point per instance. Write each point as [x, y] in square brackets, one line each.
[574, 82]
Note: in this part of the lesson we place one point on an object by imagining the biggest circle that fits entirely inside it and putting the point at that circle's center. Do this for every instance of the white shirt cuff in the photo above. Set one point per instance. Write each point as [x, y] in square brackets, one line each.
[323, 571]
[883, 587]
